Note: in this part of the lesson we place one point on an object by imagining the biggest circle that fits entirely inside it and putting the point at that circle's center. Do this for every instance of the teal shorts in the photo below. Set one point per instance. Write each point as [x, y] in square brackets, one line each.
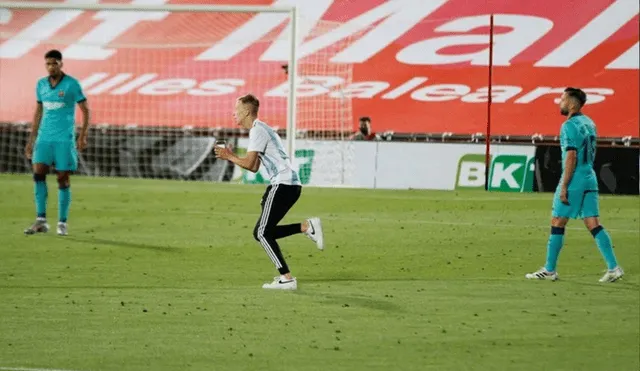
[582, 204]
[62, 155]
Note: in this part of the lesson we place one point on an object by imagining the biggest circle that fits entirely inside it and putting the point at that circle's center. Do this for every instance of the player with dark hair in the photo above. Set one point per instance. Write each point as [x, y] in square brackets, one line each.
[52, 139]
[265, 147]
[577, 193]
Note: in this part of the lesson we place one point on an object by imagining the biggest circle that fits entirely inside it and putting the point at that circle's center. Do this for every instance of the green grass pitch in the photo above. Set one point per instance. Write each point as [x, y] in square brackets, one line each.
[165, 275]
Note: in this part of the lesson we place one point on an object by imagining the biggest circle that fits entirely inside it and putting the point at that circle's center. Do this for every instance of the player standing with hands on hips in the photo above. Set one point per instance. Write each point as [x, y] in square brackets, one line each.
[577, 193]
[52, 139]
[265, 147]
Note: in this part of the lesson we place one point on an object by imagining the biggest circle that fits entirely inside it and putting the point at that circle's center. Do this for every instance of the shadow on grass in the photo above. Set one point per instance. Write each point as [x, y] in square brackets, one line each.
[356, 301]
[349, 300]
[115, 243]
[366, 279]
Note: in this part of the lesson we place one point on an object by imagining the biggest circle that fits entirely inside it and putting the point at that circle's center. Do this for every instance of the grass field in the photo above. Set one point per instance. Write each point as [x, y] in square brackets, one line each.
[165, 275]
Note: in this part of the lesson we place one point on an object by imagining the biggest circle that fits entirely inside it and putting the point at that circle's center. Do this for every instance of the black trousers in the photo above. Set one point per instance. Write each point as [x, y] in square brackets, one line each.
[276, 202]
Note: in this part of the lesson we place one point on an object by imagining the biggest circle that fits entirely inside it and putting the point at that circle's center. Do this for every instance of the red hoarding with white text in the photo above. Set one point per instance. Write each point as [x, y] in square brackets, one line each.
[414, 66]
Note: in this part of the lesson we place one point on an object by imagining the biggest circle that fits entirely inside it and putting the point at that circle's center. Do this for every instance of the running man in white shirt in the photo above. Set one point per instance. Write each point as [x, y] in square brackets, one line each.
[265, 147]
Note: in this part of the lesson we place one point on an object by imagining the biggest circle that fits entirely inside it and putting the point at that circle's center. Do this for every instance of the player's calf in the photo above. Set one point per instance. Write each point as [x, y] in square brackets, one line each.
[40, 192]
[64, 201]
[40, 195]
[605, 245]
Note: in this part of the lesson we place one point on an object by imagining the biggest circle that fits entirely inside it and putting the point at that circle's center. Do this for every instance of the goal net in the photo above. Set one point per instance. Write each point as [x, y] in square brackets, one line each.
[161, 85]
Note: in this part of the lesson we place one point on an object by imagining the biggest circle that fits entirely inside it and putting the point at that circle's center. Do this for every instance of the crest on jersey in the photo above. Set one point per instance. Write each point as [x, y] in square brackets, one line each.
[61, 93]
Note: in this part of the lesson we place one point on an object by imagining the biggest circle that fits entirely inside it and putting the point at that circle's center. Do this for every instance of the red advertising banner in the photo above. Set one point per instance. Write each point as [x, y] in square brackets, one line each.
[413, 66]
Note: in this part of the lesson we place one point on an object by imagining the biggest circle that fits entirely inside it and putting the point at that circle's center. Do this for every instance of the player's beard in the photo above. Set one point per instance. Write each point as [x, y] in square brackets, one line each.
[564, 112]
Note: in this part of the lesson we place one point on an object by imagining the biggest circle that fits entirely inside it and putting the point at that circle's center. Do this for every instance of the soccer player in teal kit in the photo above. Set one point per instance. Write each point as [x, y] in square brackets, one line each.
[577, 193]
[52, 140]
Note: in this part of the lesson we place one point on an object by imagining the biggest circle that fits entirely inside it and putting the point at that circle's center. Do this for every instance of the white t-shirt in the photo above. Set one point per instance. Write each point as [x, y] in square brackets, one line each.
[266, 141]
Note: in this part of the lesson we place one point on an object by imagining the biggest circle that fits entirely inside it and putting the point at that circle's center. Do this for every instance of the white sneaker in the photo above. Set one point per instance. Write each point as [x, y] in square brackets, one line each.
[612, 275]
[40, 226]
[542, 274]
[62, 229]
[281, 283]
[314, 232]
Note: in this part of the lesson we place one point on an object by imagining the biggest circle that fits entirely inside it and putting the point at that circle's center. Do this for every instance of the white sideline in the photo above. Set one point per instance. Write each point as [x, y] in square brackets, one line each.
[31, 369]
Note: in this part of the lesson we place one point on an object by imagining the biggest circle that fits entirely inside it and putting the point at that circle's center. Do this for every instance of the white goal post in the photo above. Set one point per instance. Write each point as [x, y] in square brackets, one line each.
[193, 8]
[161, 81]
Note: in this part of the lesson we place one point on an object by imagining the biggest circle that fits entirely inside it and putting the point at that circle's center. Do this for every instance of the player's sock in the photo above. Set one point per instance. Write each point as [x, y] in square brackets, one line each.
[64, 201]
[603, 240]
[283, 231]
[40, 192]
[556, 240]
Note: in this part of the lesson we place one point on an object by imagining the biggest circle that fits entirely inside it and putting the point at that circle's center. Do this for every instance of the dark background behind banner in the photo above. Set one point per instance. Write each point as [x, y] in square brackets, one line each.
[616, 169]
[154, 154]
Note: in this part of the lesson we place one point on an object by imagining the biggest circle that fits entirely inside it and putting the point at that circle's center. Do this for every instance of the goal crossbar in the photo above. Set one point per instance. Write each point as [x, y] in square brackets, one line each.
[195, 8]
[174, 8]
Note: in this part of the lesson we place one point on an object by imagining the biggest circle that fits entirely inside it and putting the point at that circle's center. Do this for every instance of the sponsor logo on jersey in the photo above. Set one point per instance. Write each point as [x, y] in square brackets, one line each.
[53, 105]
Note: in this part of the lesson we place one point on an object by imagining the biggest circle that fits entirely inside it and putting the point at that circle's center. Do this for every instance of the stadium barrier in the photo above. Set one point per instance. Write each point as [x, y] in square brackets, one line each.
[616, 168]
[383, 164]
[393, 165]
[187, 156]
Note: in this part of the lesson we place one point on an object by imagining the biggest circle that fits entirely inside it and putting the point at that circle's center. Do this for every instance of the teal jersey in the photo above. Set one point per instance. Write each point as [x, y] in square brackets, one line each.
[59, 108]
[578, 134]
